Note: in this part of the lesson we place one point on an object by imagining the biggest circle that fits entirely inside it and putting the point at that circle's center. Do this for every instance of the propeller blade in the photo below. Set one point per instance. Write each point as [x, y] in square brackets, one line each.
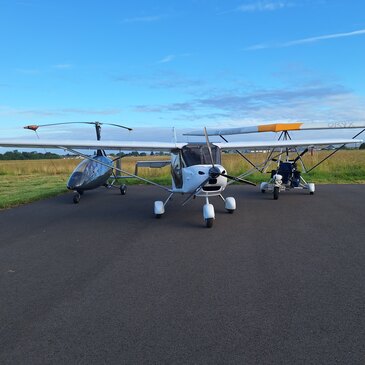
[208, 145]
[238, 179]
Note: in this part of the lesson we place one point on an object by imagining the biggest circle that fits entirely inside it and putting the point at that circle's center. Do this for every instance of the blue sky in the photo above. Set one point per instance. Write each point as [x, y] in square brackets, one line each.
[182, 64]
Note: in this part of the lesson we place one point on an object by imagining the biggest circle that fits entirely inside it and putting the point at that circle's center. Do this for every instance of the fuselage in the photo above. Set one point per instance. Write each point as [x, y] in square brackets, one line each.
[191, 168]
[194, 176]
[90, 174]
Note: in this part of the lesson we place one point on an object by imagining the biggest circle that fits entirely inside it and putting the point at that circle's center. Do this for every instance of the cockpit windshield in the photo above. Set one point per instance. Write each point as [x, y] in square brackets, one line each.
[81, 166]
[199, 154]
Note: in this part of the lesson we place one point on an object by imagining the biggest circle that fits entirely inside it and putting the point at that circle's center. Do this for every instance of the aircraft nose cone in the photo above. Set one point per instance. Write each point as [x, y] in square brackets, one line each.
[75, 181]
[214, 172]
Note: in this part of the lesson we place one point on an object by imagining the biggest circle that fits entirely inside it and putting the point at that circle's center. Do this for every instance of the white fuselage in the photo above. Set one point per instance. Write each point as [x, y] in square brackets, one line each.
[194, 176]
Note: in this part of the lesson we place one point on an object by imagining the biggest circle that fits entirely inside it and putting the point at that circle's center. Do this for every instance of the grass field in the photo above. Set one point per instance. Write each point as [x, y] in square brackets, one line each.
[26, 181]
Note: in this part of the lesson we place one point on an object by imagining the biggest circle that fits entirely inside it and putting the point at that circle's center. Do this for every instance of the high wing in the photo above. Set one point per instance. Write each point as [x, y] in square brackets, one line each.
[92, 144]
[167, 146]
[277, 127]
[285, 143]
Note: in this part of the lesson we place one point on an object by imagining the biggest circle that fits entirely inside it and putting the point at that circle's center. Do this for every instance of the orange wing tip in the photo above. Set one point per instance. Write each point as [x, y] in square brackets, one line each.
[32, 127]
[279, 127]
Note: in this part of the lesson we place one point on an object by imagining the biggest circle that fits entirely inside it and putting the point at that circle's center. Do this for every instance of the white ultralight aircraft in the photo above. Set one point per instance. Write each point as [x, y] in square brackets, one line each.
[196, 168]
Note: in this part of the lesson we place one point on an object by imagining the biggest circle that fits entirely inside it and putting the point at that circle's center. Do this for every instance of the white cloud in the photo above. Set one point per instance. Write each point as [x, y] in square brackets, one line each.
[27, 71]
[306, 40]
[144, 19]
[167, 59]
[263, 6]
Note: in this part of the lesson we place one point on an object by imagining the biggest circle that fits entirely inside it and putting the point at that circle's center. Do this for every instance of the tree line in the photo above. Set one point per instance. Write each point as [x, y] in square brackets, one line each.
[17, 155]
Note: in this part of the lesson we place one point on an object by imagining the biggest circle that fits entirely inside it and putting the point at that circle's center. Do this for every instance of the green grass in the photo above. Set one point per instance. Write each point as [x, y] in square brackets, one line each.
[25, 189]
[26, 181]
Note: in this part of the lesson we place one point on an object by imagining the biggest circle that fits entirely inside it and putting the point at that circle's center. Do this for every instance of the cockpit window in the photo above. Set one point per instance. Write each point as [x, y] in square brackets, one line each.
[199, 155]
[81, 166]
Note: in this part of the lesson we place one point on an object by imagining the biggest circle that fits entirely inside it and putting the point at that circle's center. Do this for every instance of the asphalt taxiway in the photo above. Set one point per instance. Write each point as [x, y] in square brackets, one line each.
[277, 282]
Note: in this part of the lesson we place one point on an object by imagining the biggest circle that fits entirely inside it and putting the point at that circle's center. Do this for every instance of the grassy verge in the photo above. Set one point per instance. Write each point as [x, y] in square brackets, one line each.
[19, 190]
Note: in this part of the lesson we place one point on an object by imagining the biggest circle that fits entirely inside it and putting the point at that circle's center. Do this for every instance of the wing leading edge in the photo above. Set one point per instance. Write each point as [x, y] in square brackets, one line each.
[286, 143]
[277, 127]
[92, 145]
[166, 146]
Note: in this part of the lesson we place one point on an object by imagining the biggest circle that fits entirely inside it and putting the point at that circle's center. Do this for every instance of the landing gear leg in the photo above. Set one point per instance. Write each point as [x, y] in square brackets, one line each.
[76, 197]
[276, 192]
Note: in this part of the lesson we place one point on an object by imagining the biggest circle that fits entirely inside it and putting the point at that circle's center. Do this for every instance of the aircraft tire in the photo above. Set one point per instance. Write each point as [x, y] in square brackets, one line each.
[276, 193]
[76, 198]
[209, 222]
[123, 189]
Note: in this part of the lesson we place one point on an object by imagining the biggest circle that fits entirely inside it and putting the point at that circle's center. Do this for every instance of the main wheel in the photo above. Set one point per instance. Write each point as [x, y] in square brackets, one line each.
[209, 222]
[276, 192]
[123, 189]
[76, 198]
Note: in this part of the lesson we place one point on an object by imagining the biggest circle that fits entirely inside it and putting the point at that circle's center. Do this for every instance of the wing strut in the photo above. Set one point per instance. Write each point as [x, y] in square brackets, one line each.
[336, 150]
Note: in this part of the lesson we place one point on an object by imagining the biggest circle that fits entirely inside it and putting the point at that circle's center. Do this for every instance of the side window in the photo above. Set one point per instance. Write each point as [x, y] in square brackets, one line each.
[176, 168]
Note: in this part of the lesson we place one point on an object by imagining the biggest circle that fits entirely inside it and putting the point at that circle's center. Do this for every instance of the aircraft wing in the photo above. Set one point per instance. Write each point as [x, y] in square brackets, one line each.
[92, 145]
[285, 143]
[277, 127]
[166, 146]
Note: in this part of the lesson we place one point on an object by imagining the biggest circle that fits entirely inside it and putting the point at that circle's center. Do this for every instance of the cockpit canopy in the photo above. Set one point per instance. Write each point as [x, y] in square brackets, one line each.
[198, 154]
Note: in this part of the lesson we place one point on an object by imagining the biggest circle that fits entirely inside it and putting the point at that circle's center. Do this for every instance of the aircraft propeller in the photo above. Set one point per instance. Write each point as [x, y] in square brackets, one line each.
[214, 172]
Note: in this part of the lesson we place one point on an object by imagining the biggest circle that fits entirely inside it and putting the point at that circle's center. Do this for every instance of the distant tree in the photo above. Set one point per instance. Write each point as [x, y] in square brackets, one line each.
[16, 155]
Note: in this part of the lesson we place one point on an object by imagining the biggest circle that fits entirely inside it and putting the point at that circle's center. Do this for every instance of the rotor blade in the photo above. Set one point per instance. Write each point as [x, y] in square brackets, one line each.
[118, 125]
[195, 191]
[238, 179]
[48, 125]
[208, 145]
[35, 127]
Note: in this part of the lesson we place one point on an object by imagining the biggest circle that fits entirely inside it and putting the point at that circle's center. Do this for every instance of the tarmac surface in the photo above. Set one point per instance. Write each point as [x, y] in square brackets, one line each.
[277, 282]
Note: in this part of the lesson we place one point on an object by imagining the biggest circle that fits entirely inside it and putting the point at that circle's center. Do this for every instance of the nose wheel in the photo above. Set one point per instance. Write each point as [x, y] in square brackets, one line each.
[208, 213]
[76, 197]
